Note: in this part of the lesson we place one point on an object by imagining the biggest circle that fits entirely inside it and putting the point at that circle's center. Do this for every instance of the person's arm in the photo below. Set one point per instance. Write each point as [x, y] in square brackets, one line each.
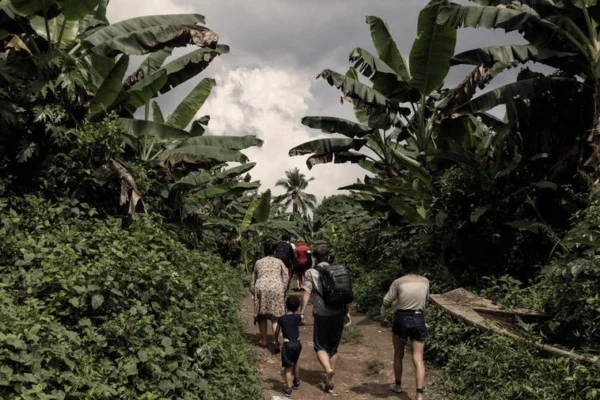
[284, 276]
[277, 330]
[308, 288]
[253, 281]
[389, 299]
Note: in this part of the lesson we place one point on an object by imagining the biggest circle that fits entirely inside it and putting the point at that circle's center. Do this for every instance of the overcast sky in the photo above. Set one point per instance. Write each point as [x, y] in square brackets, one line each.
[267, 83]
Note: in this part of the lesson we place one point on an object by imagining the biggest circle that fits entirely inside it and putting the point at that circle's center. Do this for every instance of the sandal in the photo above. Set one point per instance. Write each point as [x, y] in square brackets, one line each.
[263, 344]
[395, 389]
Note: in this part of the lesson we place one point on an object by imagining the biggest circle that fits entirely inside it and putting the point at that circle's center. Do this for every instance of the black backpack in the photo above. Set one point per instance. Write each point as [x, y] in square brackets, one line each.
[284, 251]
[336, 285]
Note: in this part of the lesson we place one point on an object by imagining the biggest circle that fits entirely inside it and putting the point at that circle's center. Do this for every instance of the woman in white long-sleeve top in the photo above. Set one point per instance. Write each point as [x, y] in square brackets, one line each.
[408, 298]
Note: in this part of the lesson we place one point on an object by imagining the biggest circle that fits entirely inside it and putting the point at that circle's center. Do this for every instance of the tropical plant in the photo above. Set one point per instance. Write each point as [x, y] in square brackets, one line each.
[295, 185]
[561, 34]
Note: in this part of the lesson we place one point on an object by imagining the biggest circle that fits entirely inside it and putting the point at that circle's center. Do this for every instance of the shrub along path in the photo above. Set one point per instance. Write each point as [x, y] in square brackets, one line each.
[365, 368]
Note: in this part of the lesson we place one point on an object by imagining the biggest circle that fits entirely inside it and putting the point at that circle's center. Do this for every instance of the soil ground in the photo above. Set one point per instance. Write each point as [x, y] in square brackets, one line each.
[354, 379]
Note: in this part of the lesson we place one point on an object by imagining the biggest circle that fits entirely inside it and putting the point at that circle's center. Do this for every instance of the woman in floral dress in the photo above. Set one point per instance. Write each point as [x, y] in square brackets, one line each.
[269, 283]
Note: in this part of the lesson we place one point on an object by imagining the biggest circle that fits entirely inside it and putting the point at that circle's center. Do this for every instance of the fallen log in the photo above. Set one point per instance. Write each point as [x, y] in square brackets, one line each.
[482, 313]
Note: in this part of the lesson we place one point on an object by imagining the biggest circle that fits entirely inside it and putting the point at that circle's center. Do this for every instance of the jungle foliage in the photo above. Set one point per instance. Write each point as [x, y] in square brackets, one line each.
[504, 206]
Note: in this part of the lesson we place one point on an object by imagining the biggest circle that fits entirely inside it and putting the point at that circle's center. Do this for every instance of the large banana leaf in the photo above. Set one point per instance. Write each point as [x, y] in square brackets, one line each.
[157, 115]
[432, 50]
[55, 26]
[248, 215]
[324, 146]
[189, 107]
[521, 53]
[340, 157]
[27, 8]
[152, 39]
[75, 10]
[385, 80]
[263, 210]
[386, 47]
[110, 88]
[235, 171]
[456, 16]
[131, 26]
[198, 154]
[143, 91]
[225, 142]
[188, 66]
[337, 125]
[505, 93]
[362, 94]
[154, 61]
[413, 165]
[138, 128]
[196, 201]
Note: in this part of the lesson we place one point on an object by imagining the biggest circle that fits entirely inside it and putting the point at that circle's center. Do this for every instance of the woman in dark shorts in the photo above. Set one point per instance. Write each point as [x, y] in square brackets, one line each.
[408, 297]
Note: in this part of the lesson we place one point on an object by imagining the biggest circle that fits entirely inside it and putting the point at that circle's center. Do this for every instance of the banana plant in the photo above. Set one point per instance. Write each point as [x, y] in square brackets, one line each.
[562, 34]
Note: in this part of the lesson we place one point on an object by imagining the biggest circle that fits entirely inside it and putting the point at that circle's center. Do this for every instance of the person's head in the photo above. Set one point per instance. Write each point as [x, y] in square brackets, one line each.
[292, 303]
[301, 241]
[411, 262]
[268, 247]
[322, 254]
[286, 237]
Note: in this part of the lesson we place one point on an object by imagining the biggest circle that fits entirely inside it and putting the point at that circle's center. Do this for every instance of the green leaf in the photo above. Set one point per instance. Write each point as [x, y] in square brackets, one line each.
[74, 301]
[139, 128]
[78, 9]
[154, 61]
[97, 301]
[357, 90]
[386, 47]
[110, 88]
[157, 114]
[133, 25]
[384, 79]
[512, 54]
[55, 26]
[189, 107]
[505, 93]
[247, 220]
[337, 125]
[226, 142]
[263, 209]
[141, 92]
[196, 201]
[321, 146]
[340, 157]
[217, 148]
[235, 171]
[432, 50]
[413, 165]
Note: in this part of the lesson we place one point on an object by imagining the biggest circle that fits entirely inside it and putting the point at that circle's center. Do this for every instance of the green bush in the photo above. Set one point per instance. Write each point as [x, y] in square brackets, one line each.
[90, 310]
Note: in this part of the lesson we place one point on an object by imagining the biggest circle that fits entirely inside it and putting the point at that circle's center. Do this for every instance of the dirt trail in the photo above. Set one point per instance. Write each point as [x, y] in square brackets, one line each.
[351, 380]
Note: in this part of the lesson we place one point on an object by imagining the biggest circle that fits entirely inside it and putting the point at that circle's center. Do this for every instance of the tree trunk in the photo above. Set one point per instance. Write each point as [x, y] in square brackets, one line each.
[295, 207]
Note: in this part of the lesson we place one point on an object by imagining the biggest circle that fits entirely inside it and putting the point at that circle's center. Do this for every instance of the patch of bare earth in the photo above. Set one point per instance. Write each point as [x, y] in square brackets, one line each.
[364, 371]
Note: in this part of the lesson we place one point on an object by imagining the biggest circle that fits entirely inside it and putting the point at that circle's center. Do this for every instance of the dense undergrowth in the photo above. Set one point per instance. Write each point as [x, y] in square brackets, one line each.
[480, 365]
[92, 310]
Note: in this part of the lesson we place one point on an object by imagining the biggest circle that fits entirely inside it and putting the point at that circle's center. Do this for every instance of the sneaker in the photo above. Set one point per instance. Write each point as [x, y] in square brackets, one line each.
[288, 392]
[296, 383]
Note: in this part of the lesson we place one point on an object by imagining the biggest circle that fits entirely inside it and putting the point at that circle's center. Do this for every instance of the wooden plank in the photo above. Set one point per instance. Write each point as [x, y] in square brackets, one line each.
[472, 309]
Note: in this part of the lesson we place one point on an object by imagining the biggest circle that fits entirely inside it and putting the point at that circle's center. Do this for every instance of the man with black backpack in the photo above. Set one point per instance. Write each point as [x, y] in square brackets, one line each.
[332, 289]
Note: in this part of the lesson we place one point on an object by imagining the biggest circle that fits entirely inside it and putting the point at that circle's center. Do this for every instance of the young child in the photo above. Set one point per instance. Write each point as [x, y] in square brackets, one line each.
[289, 324]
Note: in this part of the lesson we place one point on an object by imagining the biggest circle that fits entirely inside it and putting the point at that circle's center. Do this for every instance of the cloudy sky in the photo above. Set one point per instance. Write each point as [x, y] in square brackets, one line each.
[267, 83]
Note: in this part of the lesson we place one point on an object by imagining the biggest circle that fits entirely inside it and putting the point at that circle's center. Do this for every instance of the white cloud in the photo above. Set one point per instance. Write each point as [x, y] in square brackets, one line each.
[269, 103]
[119, 10]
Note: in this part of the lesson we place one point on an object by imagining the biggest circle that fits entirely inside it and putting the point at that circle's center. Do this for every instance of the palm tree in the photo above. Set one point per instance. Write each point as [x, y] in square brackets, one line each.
[295, 184]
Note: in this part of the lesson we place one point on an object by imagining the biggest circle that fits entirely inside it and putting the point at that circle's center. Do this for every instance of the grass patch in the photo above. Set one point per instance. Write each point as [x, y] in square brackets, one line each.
[374, 367]
[352, 334]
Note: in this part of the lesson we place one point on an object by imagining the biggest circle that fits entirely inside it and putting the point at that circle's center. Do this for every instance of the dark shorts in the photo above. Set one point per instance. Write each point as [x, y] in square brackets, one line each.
[409, 326]
[300, 269]
[327, 333]
[290, 353]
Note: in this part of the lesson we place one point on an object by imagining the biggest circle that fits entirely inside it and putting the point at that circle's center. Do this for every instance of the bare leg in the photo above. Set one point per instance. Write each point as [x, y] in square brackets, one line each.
[326, 364]
[333, 362]
[262, 328]
[297, 370]
[398, 357]
[288, 377]
[417, 354]
[274, 327]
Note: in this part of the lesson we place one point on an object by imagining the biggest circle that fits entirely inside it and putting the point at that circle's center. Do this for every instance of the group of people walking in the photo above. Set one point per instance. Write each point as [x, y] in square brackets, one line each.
[328, 285]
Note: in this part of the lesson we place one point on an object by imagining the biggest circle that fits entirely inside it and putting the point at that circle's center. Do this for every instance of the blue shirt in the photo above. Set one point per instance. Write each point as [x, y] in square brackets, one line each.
[290, 326]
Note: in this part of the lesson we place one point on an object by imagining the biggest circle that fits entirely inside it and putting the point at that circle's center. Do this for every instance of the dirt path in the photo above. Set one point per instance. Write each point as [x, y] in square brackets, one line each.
[354, 379]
